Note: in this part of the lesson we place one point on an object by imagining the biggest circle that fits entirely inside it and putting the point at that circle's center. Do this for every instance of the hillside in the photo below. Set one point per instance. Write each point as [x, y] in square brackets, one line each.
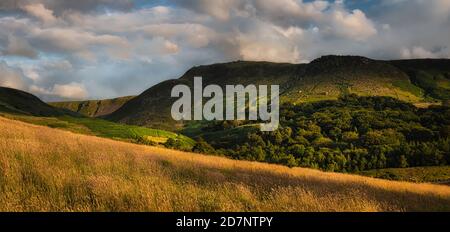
[85, 173]
[351, 134]
[431, 75]
[152, 107]
[19, 105]
[93, 108]
[329, 77]
[325, 78]
[20, 102]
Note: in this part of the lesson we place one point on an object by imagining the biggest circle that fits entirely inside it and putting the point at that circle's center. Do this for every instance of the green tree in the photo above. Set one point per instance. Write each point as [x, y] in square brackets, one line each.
[203, 147]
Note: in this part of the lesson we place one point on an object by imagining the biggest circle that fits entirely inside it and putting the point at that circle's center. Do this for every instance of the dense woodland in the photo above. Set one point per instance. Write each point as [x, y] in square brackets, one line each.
[350, 134]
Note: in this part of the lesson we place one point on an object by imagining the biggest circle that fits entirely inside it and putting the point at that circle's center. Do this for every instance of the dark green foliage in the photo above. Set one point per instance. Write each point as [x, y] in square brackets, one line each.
[142, 140]
[203, 147]
[351, 134]
[438, 174]
[177, 144]
[431, 84]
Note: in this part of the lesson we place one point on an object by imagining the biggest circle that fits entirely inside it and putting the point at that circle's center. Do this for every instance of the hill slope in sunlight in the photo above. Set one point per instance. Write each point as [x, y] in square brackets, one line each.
[93, 108]
[326, 78]
[44, 169]
[19, 105]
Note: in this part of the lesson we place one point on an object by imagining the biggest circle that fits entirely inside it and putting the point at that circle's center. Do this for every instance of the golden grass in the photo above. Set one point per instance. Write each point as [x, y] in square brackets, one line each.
[44, 169]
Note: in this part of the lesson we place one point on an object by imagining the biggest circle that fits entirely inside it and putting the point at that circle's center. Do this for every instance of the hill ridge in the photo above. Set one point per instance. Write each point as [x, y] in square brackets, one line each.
[18, 101]
[325, 78]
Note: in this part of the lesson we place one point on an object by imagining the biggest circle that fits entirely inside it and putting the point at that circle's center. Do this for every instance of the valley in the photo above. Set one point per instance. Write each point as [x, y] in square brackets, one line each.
[338, 113]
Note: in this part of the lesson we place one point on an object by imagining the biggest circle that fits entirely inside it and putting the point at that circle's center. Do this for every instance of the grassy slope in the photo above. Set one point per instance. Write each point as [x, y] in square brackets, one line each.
[93, 108]
[416, 174]
[44, 169]
[331, 76]
[103, 128]
[26, 107]
[152, 107]
[431, 75]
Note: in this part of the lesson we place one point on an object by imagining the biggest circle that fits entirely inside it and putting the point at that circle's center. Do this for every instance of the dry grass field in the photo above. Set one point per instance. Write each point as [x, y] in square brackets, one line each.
[44, 169]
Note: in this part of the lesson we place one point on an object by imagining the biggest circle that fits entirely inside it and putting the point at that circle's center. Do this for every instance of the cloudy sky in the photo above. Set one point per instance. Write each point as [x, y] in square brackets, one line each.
[91, 49]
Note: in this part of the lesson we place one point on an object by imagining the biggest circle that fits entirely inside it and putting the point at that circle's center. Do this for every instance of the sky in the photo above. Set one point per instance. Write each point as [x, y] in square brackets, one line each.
[97, 49]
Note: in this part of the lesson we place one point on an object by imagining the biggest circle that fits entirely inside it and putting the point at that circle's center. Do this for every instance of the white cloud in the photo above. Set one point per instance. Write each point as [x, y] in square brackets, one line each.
[270, 44]
[40, 80]
[106, 48]
[354, 25]
[39, 11]
[18, 46]
[72, 90]
[78, 41]
[290, 12]
[12, 78]
[417, 53]
[170, 47]
[219, 9]
[195, 35]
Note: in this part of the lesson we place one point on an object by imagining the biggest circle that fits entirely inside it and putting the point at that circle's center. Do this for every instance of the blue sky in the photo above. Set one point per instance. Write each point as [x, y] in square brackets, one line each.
[91, 49]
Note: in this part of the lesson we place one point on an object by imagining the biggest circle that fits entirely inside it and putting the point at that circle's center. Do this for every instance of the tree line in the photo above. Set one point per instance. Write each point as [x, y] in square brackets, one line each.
[350, 134]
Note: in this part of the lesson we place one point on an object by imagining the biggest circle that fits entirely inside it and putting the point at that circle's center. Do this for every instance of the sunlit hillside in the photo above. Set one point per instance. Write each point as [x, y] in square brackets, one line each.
[93, 108]
[45, 169]
[422, 82]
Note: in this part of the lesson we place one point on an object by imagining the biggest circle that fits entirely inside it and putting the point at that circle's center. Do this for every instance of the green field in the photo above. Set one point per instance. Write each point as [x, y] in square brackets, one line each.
[218, 138]
[103, 128]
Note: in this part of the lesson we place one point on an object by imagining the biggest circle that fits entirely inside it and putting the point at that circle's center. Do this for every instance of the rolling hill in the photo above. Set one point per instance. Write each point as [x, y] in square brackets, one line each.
[23, 106]
[93, 108]
[325, 78]
[431, 75]
[339, 113]
[152, 107]
[86, 173]
[332, 76]
[20, 102]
